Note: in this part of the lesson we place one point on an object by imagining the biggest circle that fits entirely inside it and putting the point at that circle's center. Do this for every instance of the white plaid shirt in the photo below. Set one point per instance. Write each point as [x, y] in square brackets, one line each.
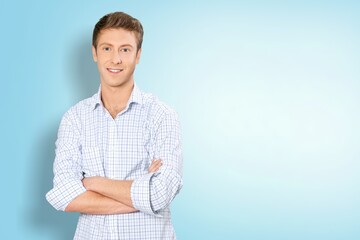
[91, 143]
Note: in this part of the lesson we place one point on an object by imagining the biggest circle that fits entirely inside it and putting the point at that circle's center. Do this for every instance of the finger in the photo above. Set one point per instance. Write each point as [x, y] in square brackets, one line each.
[155, 165]
[152, 167]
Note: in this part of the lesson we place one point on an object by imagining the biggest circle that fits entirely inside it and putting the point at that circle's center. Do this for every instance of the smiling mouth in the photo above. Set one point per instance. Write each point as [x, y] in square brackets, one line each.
[114, 70]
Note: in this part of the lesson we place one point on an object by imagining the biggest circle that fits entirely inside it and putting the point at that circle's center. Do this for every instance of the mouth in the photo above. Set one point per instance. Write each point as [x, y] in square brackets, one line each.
[114, 70]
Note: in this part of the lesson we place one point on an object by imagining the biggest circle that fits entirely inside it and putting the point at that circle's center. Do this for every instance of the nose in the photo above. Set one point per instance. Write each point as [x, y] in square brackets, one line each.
[116, 58]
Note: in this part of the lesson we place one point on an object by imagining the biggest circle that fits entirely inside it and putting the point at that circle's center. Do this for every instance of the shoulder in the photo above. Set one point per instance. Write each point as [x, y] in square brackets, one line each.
[80, 110]
[157, 109]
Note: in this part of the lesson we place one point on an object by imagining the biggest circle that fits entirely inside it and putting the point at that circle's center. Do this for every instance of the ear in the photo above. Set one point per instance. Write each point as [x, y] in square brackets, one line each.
[94, 53]
[138, 54]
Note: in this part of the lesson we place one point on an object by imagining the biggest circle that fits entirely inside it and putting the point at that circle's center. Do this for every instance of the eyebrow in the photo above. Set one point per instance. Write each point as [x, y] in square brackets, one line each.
[109, 44]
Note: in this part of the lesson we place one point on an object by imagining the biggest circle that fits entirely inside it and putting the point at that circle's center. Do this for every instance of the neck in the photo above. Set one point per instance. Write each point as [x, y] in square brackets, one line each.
[115, 99]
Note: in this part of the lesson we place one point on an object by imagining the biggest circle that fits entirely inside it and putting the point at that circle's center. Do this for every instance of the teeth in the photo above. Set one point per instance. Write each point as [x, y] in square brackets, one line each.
[114, 70]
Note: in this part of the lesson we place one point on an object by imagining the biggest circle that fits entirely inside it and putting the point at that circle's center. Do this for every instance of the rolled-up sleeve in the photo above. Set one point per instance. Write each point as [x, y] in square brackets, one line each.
[67, 167]
[155, 191]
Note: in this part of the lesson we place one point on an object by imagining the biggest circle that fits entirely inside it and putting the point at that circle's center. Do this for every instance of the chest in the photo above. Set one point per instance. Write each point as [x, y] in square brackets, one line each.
[117, 149]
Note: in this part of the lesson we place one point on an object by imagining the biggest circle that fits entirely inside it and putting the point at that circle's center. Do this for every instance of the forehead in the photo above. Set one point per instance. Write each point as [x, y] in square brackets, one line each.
[117, 36]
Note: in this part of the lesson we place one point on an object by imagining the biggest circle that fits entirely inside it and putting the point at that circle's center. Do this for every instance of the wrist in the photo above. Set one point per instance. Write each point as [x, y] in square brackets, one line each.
[97, 183]
[92, 183]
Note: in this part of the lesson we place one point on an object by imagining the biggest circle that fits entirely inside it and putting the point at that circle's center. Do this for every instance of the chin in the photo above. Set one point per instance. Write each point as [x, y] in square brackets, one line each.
[117, 83]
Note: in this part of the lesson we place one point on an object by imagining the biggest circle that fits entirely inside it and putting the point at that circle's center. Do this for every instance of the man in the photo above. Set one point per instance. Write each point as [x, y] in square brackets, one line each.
[106, 144]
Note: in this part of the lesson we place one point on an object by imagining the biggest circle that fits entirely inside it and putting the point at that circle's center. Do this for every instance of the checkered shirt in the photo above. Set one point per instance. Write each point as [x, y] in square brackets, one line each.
[91, 143]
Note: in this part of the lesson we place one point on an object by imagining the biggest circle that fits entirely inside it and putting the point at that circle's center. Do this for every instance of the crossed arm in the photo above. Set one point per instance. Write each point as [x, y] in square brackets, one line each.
[150, 193]
[106, 196]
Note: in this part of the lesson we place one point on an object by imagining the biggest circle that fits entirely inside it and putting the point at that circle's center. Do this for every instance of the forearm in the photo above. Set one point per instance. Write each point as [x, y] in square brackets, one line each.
[94, 203]
[118, 190]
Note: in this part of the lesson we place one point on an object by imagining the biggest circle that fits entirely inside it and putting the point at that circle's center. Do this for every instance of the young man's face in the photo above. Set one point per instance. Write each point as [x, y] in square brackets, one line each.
[116, 56]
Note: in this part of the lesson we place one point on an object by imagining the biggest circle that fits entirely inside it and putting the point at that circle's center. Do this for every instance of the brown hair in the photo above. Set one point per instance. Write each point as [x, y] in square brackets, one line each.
[119, 20]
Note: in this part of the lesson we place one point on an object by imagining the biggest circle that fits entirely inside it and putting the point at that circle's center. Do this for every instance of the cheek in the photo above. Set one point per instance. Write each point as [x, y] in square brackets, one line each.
[104, 62]
[103, 57]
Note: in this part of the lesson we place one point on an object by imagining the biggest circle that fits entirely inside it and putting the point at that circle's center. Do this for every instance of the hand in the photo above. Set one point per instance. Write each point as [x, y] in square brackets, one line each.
[155, 165]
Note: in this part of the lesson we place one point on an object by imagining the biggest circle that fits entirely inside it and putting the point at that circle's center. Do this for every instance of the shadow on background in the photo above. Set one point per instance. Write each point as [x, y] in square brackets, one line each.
[85, 77]
[42, 216]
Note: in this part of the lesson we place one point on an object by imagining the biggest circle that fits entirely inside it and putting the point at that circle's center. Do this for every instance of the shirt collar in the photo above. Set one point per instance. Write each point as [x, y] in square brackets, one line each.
[135, 97]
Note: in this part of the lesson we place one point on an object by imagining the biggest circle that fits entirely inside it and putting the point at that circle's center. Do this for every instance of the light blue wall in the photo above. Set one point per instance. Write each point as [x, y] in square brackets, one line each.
[269, 98]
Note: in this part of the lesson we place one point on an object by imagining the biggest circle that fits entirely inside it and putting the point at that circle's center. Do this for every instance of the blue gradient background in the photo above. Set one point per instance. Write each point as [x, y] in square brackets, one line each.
[267, 92]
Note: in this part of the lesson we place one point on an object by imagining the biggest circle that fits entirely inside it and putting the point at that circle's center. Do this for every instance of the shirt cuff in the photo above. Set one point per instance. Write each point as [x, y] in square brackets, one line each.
[61, 195]
[140, 194]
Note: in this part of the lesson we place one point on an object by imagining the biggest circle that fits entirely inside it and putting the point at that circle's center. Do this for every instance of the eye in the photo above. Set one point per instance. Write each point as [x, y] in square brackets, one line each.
[106, 49]
[125, 50]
